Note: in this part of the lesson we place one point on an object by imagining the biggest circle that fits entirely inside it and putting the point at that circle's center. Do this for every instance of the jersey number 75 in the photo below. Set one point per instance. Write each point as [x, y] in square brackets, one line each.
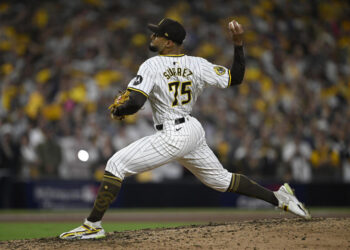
[184, 90]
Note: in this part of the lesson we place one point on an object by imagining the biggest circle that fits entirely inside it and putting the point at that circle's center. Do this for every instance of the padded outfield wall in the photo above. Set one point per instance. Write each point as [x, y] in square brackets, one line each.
[58, 194]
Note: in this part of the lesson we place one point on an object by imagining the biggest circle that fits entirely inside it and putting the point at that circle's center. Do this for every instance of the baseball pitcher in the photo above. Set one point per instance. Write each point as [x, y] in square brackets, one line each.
[172, 82]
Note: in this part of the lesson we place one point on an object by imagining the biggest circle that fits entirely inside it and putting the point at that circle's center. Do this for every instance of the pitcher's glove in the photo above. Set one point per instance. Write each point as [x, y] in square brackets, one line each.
[119, 100]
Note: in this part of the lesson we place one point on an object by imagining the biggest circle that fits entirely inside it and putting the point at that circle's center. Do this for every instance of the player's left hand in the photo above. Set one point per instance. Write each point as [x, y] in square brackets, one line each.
[119, 100]
[237, 31]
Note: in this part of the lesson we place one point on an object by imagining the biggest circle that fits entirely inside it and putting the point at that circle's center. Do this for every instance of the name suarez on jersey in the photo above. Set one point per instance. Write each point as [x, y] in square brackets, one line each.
[184, 72]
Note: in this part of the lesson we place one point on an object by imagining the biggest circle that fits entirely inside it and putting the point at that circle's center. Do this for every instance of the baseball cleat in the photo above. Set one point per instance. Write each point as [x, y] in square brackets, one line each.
[288, 202]
[89, 230]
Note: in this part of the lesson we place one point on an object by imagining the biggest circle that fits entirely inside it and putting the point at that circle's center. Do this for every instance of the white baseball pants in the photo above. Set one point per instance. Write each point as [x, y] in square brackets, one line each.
[184, 143]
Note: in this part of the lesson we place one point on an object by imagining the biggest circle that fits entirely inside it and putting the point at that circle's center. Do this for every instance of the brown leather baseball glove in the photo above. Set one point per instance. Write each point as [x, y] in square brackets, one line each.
[119, 100]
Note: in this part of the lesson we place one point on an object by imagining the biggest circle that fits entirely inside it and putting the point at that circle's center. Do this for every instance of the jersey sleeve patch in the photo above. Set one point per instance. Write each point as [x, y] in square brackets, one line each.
[219, 70]
[138, 80]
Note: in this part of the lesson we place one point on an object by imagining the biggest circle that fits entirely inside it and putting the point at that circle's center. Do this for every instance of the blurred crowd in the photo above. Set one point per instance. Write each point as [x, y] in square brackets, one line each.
[63, 61]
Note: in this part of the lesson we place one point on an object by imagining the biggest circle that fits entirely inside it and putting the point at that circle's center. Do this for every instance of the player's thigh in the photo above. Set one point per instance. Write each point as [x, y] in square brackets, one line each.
[204, 164]
[140, 156]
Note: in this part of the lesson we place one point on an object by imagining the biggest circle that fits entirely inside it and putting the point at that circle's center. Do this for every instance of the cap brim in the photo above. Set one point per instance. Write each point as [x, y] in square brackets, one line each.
[153, 27]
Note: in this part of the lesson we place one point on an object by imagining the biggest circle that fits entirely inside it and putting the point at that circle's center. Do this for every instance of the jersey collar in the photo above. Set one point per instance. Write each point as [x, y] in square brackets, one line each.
[179, 55]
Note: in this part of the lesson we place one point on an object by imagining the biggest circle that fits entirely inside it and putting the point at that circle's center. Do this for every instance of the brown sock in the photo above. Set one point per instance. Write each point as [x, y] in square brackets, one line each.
[241, 184]
[107, 193]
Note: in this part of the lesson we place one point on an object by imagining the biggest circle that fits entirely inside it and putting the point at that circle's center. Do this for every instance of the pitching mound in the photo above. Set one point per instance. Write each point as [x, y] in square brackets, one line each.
[289, 233]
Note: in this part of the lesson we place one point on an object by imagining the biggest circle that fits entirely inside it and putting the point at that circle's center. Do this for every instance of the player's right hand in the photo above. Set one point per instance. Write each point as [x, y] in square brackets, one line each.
[237, 31]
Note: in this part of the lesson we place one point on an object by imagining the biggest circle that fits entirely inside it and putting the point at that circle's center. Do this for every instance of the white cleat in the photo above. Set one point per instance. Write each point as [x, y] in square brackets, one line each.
[288, 202]
[89, 230]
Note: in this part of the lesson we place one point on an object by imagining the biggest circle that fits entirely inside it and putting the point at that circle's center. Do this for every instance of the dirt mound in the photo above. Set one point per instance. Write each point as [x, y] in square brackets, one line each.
[288, 233]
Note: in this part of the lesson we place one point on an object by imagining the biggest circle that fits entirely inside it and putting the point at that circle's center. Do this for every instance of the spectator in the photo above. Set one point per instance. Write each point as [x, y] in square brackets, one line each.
[63, 61]
[29, 159]
[49, 155]
[297, 154]
[9, 165]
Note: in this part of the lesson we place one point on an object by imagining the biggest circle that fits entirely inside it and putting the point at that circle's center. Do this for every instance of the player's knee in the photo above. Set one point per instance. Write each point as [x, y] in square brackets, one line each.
[220, 186]
[115, 168]
[218, 182]
[221, 189]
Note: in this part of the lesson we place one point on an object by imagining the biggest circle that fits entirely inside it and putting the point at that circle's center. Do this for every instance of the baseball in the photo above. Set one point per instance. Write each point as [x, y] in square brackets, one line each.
[83, 155]
[232, 23]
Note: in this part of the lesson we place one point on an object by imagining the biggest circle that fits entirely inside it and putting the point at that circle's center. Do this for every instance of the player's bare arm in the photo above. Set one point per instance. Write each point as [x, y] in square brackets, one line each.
[238, 65]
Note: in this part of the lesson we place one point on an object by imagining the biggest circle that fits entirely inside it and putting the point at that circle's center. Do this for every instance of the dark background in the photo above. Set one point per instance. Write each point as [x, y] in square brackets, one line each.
[62, 62]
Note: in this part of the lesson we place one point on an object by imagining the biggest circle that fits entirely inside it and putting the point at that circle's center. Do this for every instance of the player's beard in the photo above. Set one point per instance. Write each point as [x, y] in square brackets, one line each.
[153, 48]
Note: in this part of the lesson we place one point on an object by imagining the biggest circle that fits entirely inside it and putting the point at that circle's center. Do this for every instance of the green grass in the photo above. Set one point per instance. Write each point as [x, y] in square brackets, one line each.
[29, 230]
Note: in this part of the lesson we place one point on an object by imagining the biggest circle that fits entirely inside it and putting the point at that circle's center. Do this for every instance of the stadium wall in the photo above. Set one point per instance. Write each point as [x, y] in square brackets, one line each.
[58, 194]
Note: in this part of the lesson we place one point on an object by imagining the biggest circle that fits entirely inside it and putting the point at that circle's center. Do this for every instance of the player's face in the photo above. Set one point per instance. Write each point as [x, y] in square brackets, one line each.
[157, 43]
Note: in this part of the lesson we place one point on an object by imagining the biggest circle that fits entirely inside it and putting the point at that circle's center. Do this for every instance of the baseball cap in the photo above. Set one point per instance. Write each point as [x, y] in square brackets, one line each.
[169, 29]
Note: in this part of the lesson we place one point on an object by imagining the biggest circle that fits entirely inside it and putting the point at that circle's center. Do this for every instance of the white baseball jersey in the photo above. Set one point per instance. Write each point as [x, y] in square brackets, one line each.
[172, 85]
